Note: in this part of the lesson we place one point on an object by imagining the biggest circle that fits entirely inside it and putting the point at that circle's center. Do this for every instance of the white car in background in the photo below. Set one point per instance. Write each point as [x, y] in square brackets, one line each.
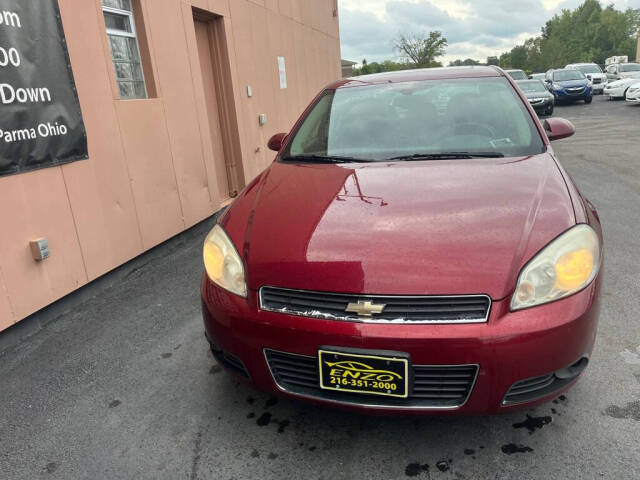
[618, 88]
[633, 93]
[593, 73]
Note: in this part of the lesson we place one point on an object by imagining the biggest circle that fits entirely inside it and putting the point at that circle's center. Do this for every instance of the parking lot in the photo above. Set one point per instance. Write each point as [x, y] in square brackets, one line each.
[124, 386]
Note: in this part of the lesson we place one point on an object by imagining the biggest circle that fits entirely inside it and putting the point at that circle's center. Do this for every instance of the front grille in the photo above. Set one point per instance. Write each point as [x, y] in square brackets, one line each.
[431, 386]
[397, 309]
[596, 81]
[575, 91]
[535, 101]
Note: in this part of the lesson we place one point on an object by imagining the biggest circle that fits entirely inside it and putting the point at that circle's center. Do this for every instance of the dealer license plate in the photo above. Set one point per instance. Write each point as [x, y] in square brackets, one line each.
[363, 373]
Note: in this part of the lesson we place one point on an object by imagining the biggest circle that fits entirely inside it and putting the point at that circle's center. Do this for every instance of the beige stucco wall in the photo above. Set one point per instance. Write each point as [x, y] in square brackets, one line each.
[150, 174]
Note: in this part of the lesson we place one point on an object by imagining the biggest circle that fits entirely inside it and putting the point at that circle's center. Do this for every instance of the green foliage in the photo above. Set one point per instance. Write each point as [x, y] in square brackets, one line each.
[462, 63]
[376, 67]
[589, 33]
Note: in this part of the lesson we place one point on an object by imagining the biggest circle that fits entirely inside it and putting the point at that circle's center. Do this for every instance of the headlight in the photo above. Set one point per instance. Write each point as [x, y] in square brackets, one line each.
[562, 268]
[222, 262]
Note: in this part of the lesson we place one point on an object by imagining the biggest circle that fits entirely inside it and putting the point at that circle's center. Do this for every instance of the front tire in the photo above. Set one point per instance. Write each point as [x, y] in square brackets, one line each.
[549, 111]
[588, 100]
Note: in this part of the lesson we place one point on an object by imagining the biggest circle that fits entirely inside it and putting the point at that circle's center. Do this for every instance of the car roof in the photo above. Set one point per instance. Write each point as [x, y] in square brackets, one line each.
[580, 64]
[514, 70]
[420, 74]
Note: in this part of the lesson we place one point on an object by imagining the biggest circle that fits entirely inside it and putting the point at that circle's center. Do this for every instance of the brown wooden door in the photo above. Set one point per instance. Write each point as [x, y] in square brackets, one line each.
[223, 173]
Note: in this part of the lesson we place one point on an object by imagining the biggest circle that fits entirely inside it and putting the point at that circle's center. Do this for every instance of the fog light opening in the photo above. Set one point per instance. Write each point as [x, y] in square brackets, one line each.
[572, 371]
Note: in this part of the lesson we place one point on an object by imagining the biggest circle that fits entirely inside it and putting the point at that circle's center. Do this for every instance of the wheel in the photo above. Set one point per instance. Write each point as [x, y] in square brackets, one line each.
[588, 99]
[549, 111]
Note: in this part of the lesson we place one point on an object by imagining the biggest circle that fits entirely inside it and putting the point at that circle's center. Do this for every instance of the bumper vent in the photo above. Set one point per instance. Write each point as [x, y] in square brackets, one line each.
[396, 309]
[431, 387]
[229, 361]
[538, 387]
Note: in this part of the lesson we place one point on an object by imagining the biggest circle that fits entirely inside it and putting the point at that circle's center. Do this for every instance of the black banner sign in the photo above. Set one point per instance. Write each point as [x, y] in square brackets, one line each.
[40, 119]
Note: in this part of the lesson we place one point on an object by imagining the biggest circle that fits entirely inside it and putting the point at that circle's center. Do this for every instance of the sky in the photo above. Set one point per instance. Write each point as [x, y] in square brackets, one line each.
[474, 28]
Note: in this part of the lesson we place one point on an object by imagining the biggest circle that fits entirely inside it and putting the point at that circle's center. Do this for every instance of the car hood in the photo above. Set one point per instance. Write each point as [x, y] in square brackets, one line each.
[572, 83]
[635, 74]
[623, 82]
[435, 227]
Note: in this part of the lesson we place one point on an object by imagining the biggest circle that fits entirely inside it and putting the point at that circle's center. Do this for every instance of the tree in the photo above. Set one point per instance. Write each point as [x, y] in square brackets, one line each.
[419, 49]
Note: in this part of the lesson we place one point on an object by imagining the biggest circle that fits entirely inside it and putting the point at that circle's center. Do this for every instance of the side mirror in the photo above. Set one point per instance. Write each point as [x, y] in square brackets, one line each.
[277, 141]
[558, 128]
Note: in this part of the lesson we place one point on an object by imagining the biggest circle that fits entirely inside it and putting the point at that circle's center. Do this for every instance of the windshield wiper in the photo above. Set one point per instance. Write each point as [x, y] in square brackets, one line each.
[325, 159]
[446, 155]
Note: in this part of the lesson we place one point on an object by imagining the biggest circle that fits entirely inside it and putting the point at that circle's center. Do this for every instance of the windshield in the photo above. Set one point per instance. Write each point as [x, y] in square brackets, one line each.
[630, 67]
[381, 122]
[565, 75]
[589, 68]
[517, 74]
[532, 86]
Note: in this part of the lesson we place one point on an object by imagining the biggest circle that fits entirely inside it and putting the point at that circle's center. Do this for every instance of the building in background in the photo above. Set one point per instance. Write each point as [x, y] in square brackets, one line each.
[347, 68]
[179, 99]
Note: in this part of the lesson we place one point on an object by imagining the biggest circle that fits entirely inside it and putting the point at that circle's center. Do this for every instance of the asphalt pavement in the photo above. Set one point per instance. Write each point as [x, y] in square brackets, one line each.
[123, 386]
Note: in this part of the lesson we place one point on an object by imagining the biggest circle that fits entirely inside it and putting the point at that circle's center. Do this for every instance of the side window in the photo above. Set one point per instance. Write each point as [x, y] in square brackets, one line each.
[313, 134]
[125, 51]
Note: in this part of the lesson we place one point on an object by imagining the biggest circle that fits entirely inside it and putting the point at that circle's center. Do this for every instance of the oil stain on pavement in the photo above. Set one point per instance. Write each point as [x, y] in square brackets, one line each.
[630, 410]
[533, 423]
[512, 448]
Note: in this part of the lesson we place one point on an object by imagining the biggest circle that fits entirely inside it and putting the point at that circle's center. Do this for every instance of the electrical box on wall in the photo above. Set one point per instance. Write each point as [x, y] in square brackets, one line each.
[39, 249]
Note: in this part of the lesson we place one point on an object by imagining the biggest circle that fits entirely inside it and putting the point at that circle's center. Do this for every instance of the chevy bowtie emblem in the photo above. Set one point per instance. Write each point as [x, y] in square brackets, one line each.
[365, 308]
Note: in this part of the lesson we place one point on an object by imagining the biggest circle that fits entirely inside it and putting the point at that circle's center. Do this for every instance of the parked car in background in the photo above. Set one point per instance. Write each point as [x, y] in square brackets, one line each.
[432, 257]
[537, 76]
[538, 95]
[618, 71]
[517, 74]
[633, 93]
[618, 88]
[593, 73]
[568, 85]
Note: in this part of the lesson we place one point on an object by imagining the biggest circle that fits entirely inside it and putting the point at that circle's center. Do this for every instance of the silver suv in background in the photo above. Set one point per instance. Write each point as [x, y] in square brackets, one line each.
[593, 73]
[618, 71]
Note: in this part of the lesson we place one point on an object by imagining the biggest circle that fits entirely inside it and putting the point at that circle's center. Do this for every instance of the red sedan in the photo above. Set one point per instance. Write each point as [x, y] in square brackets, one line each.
[414, 247]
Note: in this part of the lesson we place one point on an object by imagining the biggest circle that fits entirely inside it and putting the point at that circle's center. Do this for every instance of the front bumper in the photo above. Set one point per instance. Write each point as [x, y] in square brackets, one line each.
[633, 97]
[566, 95]
[508, 348]
[542, 106]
